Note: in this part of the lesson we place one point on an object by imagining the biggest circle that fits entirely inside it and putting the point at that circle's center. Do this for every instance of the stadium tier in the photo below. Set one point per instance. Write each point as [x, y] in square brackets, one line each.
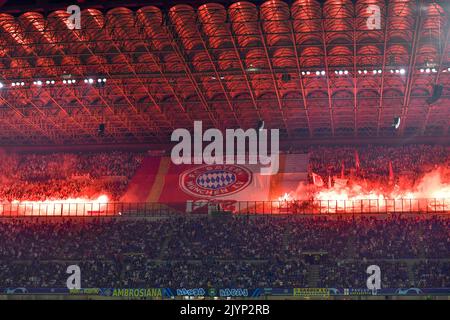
[231, 252]
[187, 149]
[372, 179]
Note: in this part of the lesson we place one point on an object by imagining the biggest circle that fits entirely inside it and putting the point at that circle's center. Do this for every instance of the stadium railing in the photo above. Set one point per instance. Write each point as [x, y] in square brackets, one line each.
[364, 206]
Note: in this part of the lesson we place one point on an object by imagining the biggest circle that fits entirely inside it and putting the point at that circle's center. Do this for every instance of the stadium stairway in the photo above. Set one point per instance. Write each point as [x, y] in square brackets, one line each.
[313, 275]
[165, 245]
[411, 277]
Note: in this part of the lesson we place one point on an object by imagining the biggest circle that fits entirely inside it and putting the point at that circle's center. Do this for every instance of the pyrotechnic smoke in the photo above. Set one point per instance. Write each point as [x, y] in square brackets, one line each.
[66, 207]
[435, 184]
[431, 189]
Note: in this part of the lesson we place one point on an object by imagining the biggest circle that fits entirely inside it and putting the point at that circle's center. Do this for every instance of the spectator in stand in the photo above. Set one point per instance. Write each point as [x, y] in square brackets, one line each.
[59, 176]
[374, 160]
[236, 252]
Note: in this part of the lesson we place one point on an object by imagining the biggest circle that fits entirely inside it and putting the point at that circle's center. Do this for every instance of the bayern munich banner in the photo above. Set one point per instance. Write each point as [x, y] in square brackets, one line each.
[189, 187]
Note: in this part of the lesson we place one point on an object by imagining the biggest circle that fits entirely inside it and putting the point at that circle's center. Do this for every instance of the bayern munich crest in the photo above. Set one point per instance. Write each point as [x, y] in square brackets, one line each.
[215, 180]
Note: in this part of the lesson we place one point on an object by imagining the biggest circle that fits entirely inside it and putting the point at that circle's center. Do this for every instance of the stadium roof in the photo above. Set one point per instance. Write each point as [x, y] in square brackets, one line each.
[312, 69]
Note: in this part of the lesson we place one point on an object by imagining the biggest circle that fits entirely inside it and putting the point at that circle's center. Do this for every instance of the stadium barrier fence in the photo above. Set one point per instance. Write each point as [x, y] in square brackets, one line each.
[364, 206]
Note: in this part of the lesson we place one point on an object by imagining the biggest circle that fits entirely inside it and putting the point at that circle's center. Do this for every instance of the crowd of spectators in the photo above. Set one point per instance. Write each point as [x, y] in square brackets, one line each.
[410, 160]
[432, 274]
[247, 251]
[60, 176]
[239, 252]
[351, 274]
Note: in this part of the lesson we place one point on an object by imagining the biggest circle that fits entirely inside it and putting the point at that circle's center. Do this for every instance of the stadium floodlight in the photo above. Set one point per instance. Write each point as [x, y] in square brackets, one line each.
[102, 81]
[252, 68]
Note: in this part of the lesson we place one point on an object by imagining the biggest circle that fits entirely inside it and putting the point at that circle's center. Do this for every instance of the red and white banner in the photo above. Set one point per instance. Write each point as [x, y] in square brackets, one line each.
[191, 187]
